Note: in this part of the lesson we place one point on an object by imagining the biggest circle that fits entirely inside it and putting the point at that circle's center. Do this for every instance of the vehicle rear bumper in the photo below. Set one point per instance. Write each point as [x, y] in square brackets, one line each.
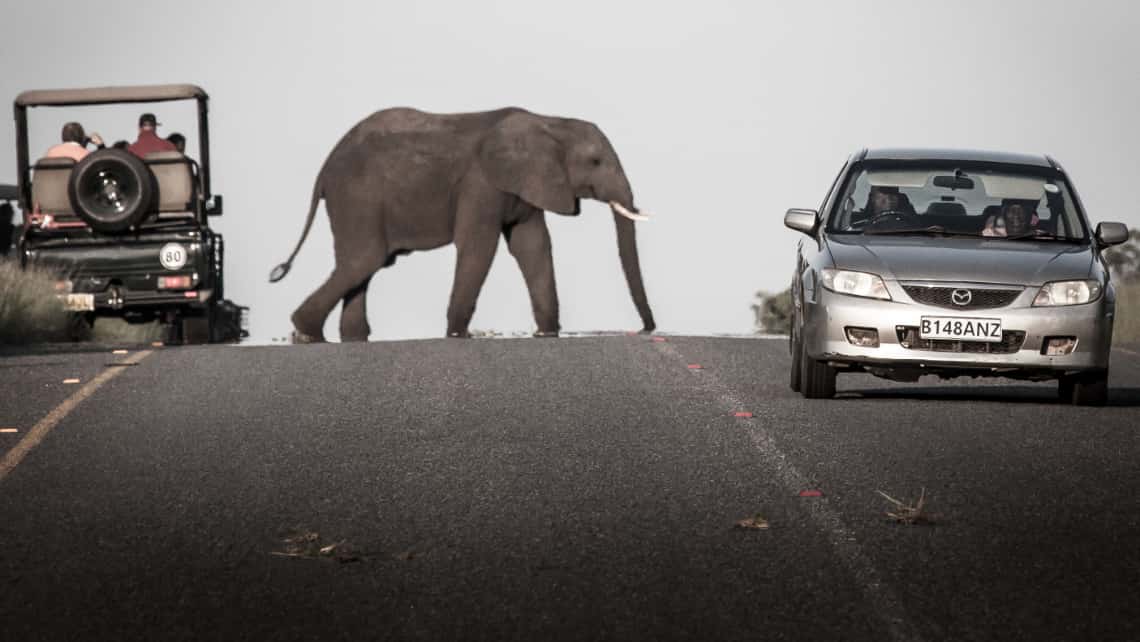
[826, 320]
[113, 299]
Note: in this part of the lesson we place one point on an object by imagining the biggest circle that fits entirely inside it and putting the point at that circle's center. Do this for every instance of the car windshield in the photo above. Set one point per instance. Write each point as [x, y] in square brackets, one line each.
[992, 203]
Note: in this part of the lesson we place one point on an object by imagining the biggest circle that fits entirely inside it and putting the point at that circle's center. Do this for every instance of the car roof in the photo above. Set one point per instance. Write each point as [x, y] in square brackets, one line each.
[964, 155]
[104, 95]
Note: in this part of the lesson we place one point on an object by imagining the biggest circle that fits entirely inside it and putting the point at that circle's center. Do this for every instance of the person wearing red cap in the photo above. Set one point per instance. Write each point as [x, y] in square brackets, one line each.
[148, 140]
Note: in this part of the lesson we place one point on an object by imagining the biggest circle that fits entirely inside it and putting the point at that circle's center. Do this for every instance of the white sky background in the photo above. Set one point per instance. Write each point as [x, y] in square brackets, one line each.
[724, 114]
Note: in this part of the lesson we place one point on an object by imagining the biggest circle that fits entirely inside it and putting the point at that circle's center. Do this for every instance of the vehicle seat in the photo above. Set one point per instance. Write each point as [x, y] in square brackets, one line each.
[905, 205]
[175, 176]
[49, 186]
[945, 208]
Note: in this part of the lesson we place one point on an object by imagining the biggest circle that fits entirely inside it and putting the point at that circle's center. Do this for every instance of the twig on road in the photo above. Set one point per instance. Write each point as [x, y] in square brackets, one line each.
[910, 514]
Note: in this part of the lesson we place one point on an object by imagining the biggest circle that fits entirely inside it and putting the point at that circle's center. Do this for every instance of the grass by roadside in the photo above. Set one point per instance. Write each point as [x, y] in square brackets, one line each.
[30, 313]
[29, 309]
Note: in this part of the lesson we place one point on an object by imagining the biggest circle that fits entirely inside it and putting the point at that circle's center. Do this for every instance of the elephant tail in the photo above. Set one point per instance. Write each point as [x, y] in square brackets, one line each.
[281, 270]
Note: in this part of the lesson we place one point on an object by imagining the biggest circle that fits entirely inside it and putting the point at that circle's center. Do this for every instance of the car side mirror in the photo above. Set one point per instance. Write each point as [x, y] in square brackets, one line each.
[1111, 233]
[801, 220]
[214, 207]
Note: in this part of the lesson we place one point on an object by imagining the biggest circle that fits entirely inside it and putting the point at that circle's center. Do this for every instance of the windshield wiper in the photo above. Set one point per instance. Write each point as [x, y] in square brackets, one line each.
[1041, 236]
[933, 230]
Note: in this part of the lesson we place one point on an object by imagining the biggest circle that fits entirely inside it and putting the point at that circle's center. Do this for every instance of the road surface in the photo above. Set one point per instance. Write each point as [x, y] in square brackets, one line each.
[579, 488]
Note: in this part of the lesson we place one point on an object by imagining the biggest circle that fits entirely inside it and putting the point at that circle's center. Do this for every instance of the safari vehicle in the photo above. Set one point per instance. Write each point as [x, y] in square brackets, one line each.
[131, 234]
[952, 263]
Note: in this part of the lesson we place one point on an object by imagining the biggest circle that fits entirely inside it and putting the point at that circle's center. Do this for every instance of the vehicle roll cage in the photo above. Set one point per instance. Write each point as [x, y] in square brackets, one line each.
[105, 96]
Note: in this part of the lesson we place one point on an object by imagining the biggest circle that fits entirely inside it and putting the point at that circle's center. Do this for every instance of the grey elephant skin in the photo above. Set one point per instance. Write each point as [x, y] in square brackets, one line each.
[403, 180]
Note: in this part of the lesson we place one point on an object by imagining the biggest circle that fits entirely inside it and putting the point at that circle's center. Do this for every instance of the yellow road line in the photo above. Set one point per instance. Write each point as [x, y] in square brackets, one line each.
[44, 426]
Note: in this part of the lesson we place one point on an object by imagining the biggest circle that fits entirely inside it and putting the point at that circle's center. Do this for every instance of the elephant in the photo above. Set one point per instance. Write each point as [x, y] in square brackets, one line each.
[403, 180]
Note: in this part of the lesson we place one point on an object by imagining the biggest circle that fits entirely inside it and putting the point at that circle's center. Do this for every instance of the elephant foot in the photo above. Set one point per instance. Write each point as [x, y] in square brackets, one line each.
[458, 335]
[300, 338]
[546, 334]
[360, 338]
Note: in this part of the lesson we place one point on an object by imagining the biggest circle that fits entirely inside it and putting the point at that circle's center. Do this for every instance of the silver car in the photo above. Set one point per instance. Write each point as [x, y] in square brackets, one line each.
[952, 263]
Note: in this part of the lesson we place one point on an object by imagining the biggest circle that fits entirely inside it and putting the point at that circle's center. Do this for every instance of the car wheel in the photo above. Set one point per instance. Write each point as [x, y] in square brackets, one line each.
[1087, 390]
[196, 329]
[817, 379]
[1065, 389]
[112, 190]
[797, 359]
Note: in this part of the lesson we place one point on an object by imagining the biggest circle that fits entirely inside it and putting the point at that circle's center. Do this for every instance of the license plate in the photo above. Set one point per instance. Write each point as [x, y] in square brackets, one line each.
[960, 329]
[79, 302]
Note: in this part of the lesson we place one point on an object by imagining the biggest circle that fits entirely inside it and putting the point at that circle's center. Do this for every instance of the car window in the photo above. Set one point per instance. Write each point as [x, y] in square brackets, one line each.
[990, 202]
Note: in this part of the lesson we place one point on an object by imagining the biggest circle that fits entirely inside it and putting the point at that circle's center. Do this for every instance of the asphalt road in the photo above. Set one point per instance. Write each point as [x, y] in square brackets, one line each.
[531, 489]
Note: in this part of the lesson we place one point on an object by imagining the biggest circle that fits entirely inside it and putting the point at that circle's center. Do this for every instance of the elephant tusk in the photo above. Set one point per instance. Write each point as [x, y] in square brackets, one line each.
[620, 209]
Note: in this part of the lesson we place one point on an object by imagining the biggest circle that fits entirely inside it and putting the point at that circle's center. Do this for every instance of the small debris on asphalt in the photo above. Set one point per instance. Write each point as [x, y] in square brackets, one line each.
[8, 430]
[742, 415]
[696, 366]
[157, 344]
[70, 381]
[905, 513]
[811, 493]
[119, 352]
[756, 522]
[659, 339]
[407, 556]
[308, 545]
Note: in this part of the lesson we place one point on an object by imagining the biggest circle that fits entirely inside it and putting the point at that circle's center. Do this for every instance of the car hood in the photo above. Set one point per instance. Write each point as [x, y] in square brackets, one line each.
[973, 260]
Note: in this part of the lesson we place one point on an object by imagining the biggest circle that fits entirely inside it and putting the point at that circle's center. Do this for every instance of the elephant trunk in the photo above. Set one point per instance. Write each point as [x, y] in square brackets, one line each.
[627, 251]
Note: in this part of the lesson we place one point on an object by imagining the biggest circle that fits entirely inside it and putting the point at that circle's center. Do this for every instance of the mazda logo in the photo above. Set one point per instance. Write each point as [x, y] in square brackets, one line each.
[961, 297]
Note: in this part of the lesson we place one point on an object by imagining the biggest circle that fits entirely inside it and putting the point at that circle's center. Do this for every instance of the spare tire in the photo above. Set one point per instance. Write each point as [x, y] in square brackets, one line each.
[112, 190]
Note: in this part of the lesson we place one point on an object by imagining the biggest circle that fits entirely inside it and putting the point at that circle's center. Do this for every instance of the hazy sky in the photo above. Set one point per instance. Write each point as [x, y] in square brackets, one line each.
[725, 114]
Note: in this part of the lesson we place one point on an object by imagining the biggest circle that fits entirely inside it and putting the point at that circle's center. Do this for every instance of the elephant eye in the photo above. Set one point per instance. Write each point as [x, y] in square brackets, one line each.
[596, 161]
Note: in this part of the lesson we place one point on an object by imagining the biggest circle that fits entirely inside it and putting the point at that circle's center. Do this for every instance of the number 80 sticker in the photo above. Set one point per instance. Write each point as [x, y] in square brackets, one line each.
[172, 256]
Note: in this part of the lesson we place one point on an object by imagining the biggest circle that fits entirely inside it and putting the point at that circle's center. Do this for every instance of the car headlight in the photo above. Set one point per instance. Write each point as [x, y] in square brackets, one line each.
[1068, 293]
[862, 284]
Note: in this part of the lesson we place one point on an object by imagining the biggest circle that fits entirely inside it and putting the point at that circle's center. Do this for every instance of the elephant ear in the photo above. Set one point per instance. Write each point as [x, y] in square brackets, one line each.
[521, 156]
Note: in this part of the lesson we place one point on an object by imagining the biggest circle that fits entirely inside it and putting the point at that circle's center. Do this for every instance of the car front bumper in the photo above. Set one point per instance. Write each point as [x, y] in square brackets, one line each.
[826, 319]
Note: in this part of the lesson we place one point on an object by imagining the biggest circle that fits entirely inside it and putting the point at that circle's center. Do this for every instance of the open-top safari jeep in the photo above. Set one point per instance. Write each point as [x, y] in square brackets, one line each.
[130, 235]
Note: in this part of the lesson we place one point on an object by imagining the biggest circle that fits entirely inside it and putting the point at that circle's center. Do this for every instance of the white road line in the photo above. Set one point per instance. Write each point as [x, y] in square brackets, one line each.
[44, 426]
[882, 599]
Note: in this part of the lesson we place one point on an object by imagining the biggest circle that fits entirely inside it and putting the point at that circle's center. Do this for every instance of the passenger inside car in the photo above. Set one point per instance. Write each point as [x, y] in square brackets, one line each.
[1017, 217]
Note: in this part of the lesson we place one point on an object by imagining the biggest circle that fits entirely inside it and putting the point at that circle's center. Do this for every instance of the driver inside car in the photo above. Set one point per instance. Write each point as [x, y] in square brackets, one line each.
[880, 199]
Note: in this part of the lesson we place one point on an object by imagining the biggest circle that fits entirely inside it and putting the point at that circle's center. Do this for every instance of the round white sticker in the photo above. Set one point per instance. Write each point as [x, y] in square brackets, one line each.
[172, 255]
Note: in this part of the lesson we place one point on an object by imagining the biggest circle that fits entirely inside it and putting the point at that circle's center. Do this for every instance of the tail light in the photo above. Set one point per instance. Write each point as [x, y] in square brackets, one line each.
[181, 282]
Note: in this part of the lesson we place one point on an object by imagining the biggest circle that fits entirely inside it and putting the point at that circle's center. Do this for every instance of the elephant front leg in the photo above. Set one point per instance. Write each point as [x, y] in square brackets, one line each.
[475, 247]
[529, 242]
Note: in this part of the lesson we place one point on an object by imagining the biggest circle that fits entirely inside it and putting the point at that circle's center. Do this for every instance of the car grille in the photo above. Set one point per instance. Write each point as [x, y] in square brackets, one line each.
[1011, 341]
[944, 297]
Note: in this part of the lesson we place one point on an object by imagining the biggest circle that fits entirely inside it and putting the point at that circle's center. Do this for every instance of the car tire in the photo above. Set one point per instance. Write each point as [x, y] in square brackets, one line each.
[196, 329]
[1065, 389]
[1087, 390]
[797, 359]
[112, 190]
[817, 379]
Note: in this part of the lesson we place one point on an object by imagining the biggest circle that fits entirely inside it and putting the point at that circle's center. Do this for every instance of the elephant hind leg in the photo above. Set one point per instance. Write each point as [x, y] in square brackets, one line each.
[353, 315]
[351, 272]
